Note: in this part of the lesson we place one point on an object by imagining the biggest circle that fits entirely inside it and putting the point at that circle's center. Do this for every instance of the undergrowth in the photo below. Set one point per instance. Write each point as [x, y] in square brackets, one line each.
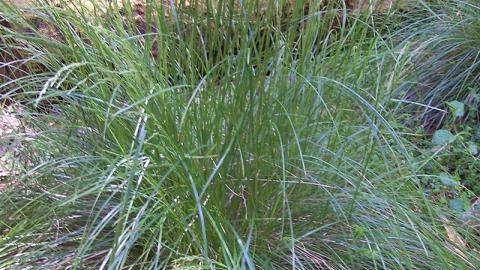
[248, 136]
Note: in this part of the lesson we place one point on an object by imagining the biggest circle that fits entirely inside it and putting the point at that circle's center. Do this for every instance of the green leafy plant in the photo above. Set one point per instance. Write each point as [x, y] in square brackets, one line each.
[453, 158]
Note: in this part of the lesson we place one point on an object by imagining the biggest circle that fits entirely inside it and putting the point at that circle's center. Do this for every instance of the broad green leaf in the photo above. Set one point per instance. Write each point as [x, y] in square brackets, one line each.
[442, 136]
[448, 180]
[456, 205]
[457, 108]
[473, 149]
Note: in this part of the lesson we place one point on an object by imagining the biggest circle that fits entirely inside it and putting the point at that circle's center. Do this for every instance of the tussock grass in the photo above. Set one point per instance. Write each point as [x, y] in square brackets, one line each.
[443, 44]
[217, 141]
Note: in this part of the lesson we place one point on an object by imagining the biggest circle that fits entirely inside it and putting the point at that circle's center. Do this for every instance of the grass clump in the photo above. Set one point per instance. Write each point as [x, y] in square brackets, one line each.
[220, 139]
[443, 44]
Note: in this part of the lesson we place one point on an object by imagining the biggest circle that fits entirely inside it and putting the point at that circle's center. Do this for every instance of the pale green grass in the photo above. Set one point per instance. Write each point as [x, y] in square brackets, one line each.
[250, 142]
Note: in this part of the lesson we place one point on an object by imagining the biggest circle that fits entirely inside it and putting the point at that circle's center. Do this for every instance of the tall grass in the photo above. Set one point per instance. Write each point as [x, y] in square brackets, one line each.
[216, 137]
[443, 43]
